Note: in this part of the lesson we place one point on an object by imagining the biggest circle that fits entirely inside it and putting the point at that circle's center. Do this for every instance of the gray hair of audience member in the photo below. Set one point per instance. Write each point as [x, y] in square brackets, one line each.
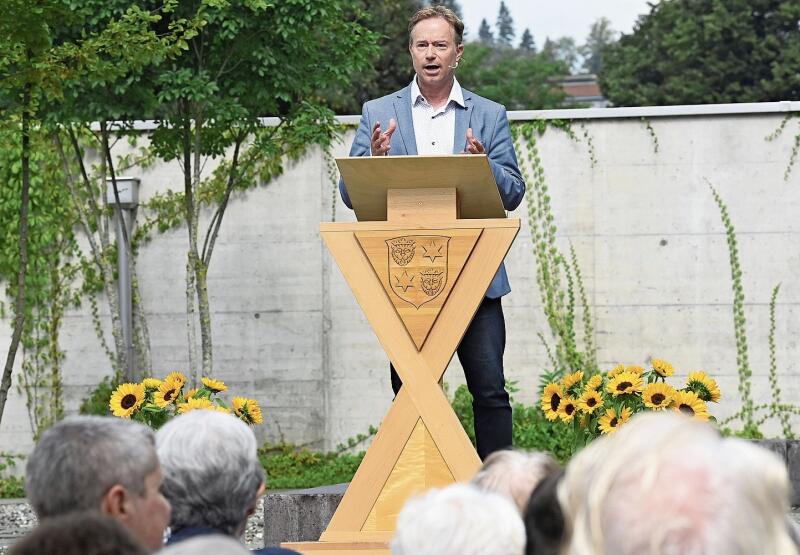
[459, 520]
[212, 474]
[79, 533]
[206, 545]
[666, 484]
[79, 459]
[514, 474]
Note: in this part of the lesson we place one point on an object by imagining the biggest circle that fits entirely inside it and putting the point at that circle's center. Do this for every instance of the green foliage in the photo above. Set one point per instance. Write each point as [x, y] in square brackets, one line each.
[707, 51]
[504, 25]
[795, 145]
[96, 403]
[601, 36]
[11, 486]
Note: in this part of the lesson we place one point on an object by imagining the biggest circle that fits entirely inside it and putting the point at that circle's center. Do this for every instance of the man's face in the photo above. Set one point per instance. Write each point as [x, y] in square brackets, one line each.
[150, 513]
[433, 52]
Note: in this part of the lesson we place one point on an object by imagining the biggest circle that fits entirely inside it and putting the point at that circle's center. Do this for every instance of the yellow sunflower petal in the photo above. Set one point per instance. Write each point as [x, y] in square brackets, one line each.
[176, 377]
[688, 403]
[590, 402]
[567, 409]
[594, 382]
[247, 410]
[662, 367]
[618, 369]
[625, 383]
[705, 387]
[167, 393]
[551, 399]
[195, 404]
[214, 385]
[658, 395]
[151, 383]
[572, 379]
[126, 399]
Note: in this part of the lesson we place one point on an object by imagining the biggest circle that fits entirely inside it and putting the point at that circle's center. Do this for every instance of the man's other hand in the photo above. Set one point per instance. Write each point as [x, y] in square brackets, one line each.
[381, 142]
[474, 146]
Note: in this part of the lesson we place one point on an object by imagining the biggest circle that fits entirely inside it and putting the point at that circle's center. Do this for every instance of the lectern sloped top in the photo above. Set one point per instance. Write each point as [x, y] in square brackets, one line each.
[368, 180]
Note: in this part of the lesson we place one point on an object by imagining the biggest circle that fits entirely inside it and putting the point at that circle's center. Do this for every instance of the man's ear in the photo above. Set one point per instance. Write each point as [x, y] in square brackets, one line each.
[114, 502]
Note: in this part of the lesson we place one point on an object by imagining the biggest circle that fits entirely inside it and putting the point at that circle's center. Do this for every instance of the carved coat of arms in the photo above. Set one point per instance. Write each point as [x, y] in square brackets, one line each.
[417, 267]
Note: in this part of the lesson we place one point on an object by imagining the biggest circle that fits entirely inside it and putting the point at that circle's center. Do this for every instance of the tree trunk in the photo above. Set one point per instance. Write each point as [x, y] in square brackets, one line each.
[19, 302]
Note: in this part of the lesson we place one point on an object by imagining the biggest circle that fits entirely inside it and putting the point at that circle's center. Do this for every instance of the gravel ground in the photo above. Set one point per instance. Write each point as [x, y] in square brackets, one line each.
[17, 518]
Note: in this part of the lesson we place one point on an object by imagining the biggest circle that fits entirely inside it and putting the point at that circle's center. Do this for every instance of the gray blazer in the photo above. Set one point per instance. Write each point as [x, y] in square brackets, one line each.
[489, 125]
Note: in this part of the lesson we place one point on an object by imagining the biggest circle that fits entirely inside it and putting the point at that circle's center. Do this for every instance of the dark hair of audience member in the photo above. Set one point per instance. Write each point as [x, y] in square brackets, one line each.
[79, 533]
[544, 520]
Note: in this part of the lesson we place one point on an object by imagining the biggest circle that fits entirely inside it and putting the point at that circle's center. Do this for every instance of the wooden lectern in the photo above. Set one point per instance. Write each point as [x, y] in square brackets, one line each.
[431, 235]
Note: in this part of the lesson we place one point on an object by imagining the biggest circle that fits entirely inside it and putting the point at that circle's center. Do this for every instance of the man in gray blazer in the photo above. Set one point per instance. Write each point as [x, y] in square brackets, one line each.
[434, 115]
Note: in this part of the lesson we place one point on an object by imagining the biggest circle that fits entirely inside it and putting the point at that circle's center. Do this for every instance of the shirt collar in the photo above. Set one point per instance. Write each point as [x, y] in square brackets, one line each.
[456, 93]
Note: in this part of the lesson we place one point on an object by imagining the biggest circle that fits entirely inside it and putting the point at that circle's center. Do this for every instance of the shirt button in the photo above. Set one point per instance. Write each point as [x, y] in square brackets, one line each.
[433, 143]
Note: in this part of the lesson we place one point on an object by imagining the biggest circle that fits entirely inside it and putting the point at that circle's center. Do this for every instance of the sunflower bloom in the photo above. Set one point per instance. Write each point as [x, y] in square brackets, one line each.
[688, 403]
[167, 393]
[567, 409]
[551, 399]
[176, 377]
[616, 371]
[126, 399]
[662, 368]
[190, 394]
[658, 395]
[635, 369]
[705, 387]
[610, 421]
[594, 383]
[625, 383]
[247, 410]
[151, 383]
[195, 404]
[590, 402]
[215, 386]
[571, 379]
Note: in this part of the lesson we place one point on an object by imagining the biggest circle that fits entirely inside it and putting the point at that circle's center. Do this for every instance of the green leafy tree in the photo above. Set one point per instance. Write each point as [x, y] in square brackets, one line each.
[250, 59]
[707, 51]
[562, 50]
[600, 36]
[453, 5]
[504, 25]
[526, 43]
[485, 34]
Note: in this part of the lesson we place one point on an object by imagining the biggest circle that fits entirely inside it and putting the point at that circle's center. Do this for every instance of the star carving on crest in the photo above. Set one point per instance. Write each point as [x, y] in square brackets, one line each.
[432, 251]
[404, 281]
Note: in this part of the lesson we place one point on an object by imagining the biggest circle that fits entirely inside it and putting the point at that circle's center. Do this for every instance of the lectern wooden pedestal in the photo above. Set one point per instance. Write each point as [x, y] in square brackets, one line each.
[419, 276]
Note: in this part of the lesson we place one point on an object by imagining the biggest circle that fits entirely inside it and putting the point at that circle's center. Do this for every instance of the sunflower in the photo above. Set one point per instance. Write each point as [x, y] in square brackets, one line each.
[247, 410]
[126, 399]
[624, 383]
[594, 383]
[590, 402]
[167, 393]
[151, 383]
[190, 394]
[195, 404]
[214, 385]
[610, 422]
[224, 410]
[658, 396]
[688, 403]
[705, 387]
[567, 409]
[636, 369]
[176, 377]
[551, 398]
[571, 379]
[662, 367]
[618, 369]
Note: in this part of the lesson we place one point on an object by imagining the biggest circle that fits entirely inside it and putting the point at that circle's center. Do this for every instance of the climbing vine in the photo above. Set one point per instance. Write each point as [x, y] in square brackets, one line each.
[795, 145]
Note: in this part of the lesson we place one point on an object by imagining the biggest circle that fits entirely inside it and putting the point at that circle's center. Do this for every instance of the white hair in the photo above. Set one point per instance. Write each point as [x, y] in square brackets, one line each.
[211, 470]
[206, 545]
[665, 484]
[459, 520]
[514, 474]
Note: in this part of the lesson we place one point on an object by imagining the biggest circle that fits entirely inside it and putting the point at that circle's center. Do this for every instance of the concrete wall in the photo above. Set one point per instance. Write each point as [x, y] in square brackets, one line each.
[645, 227]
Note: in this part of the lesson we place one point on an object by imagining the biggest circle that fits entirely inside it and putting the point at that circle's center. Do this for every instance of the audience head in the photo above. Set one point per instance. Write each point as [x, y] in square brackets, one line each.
[92, 463]
[79, 533]
[459, 520]
[514, 474]
[544, 519]
[212, 475]
[206, 545]
[667, 484]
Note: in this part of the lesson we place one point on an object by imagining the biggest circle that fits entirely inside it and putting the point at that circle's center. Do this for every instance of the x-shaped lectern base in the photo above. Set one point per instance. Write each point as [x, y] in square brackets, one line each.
[419, 286]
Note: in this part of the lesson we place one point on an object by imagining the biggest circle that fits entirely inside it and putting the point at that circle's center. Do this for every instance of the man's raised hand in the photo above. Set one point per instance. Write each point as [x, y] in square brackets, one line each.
[474, 146]
[381, 142]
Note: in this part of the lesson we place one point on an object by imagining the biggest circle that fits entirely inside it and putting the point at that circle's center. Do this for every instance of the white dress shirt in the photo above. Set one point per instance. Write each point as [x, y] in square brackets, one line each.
[435, 129]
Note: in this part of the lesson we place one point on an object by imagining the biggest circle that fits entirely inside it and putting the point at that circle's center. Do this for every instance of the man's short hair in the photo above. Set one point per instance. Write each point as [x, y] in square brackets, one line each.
[211, 544]
[514, 473]
[665, 483]
[79, 533]
[79, 459]
[438, 11]
[211, 470]
[459, 520]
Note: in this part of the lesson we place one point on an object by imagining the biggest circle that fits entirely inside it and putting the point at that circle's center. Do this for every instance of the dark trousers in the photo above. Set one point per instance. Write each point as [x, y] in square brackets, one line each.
[481, 355]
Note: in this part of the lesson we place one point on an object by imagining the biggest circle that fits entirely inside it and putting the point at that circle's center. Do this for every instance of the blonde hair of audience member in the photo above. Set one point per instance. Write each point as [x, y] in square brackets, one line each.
[514, 474]
[206, 545]
[665, 484]
[459, 520]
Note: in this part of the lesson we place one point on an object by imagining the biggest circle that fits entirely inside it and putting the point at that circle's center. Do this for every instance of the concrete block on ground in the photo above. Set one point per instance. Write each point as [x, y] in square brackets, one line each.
[299, 515]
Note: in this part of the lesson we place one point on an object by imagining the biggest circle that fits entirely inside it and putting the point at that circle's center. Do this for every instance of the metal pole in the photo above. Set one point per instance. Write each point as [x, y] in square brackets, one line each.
[125, 295]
